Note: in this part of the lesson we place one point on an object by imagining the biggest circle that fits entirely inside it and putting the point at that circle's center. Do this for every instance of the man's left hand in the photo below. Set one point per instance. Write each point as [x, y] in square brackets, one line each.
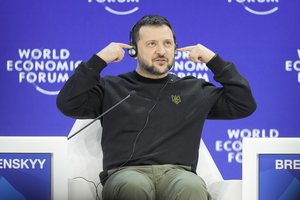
[198, 53]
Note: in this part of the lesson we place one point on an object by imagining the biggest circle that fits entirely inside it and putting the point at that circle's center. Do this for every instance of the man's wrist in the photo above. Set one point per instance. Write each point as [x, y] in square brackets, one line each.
[96, 62]
[216, 64]
[102, 56]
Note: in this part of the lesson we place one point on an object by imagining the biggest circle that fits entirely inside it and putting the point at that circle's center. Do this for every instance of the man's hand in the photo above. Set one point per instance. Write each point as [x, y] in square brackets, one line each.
[114, 52]
[198, 53]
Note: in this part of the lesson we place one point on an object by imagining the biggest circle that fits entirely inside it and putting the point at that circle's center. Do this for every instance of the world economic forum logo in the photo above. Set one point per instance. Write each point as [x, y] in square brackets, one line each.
[46, 69]
[258, 7]
[119, 7]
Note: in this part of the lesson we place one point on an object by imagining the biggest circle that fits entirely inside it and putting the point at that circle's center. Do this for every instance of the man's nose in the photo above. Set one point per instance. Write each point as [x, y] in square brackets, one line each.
[160, 49]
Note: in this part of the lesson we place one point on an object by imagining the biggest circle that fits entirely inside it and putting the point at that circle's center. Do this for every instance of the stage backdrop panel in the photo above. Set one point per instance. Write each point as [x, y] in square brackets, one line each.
[42, 42]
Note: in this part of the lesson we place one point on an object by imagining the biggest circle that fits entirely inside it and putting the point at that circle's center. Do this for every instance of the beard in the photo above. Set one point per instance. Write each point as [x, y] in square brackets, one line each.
[152, 69]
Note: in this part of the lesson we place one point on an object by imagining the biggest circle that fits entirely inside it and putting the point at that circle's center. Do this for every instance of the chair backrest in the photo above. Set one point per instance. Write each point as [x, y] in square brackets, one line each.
[85, 160]
[207, 168]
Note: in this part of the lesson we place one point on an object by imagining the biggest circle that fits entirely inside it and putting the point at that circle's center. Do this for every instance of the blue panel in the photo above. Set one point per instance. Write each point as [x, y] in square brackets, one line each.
[25, 176]
[279, 176]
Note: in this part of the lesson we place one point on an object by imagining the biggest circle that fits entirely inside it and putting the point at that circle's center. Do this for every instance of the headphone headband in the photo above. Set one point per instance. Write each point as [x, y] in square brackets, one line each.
[133, 51]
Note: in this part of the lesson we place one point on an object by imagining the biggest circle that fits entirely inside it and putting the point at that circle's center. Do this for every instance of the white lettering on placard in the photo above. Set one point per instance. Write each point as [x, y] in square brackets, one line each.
[22, 163]
[287, 164]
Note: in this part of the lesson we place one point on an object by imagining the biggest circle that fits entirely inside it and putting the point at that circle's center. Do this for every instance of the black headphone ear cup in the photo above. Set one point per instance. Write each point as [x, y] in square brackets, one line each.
[132, 52]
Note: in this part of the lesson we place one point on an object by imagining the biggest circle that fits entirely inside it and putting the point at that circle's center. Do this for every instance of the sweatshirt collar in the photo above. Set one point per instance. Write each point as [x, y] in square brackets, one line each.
[150, 80]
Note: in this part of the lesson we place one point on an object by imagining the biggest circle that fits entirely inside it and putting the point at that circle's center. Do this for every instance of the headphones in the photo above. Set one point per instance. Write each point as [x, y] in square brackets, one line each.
[133, 52]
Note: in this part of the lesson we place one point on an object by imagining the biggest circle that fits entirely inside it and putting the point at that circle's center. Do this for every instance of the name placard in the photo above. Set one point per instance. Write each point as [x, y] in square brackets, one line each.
[25, 175]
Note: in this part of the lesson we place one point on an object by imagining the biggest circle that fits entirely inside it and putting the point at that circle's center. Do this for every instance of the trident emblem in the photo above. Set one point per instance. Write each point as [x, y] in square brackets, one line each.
[176, 99]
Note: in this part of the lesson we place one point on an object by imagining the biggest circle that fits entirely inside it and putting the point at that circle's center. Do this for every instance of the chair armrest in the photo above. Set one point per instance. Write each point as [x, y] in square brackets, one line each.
[207, 168]
[226, 190]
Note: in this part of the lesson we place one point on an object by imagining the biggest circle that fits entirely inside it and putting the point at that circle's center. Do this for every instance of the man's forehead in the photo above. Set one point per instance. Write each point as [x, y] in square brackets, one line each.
[155, 32]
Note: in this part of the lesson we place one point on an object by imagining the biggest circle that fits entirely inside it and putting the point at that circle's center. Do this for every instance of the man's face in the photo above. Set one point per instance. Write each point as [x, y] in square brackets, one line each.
[156, 50]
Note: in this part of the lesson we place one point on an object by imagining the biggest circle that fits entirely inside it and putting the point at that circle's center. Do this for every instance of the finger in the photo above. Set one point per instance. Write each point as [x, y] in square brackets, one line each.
[190, 58]
[121, 55]
[199, 59]
[187, 48]
[119, 58]
[195, 58]
[124, 46]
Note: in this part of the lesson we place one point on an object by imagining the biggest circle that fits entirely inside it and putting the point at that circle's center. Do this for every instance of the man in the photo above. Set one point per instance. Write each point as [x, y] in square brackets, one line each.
[150, 142]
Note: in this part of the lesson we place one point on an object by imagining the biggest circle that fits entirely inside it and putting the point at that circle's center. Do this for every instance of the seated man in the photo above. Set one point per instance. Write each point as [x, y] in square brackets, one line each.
[150, 141]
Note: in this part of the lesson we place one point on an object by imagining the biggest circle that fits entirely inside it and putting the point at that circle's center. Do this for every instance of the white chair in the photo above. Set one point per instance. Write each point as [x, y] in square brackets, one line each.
[85, 161]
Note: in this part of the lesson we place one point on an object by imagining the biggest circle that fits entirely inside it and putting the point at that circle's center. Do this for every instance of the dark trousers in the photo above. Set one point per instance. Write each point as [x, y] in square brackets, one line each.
[154, 182]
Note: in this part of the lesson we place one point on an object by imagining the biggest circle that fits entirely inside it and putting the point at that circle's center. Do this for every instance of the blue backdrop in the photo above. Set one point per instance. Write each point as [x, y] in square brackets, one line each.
[42, 42]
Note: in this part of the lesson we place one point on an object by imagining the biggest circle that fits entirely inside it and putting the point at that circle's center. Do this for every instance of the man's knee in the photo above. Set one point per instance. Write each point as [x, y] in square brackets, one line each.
[184, 186]
[192, 191]
[135, 190]
[128, 185]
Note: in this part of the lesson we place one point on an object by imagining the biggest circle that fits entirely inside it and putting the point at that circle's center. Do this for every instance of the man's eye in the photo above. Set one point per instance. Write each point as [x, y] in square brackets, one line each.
[151, 44]
[168, 43]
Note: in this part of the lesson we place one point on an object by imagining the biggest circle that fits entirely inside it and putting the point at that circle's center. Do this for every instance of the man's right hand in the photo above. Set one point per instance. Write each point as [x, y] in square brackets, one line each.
[114, 52]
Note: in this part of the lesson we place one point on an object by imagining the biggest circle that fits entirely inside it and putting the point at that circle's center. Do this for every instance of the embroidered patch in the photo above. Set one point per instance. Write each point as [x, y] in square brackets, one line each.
[176, 99]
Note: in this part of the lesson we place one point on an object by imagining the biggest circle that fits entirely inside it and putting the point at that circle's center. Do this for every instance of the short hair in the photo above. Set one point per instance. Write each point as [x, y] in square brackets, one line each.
[148, 20]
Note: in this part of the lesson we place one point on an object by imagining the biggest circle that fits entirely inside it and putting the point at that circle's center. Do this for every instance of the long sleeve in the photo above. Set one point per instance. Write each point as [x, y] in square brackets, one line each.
[82, 94]
[233, 100]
